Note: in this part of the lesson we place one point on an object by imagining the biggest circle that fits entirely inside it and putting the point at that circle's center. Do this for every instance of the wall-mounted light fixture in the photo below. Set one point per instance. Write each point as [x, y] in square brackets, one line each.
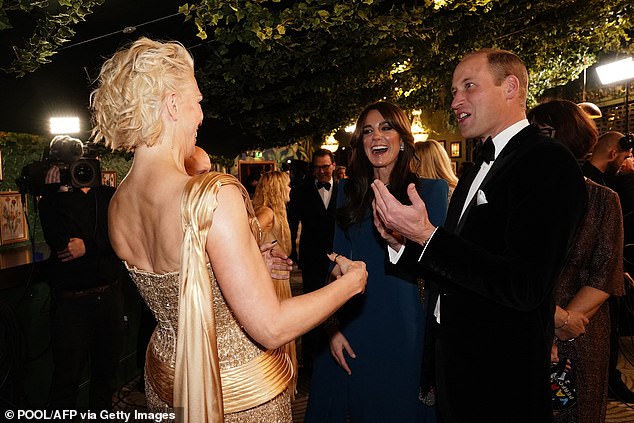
[418, 129]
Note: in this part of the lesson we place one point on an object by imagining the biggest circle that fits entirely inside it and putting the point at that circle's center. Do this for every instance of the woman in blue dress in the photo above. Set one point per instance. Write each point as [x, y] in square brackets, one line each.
[370, 370]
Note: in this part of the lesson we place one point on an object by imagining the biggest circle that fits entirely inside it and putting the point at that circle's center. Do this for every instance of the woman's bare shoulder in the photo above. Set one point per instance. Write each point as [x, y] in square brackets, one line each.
[145, 226]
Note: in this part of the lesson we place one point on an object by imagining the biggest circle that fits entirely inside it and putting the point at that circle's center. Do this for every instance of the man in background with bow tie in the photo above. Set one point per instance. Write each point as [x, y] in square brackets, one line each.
[494, 263]
[313, 203]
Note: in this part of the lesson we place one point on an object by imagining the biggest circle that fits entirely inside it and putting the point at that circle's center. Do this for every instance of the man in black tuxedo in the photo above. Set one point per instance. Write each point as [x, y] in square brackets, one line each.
[493, 265]
[313, 203]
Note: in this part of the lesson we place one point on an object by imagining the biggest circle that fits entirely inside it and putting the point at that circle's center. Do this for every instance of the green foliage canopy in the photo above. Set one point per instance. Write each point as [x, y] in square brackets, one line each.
[285, 70]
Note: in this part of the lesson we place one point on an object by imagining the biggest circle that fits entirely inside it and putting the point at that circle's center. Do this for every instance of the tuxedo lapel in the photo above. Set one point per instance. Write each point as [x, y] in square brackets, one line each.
[316, 197]
[504, 157]
[333, 196]
[458, 198]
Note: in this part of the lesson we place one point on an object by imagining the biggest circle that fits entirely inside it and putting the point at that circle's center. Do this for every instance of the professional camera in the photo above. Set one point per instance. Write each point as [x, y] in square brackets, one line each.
[626, 142]
[78, 166]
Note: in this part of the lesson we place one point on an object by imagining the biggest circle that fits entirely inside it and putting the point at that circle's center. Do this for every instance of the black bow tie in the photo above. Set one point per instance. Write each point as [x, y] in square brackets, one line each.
[323, 185]
[486, 153]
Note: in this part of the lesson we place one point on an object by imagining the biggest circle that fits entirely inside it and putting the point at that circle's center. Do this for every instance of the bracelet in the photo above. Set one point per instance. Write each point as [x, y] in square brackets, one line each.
[565, 321]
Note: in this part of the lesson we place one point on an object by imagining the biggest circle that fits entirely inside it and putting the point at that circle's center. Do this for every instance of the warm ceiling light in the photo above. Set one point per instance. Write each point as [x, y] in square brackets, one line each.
[418, 129]
[331, 143]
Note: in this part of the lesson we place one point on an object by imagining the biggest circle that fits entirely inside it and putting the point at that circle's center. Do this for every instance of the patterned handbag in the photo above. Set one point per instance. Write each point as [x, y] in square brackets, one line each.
[562, 385]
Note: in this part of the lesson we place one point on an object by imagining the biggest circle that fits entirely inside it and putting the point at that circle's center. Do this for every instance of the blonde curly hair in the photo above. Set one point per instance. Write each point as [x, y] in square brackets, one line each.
[271, 192]
[126, 104]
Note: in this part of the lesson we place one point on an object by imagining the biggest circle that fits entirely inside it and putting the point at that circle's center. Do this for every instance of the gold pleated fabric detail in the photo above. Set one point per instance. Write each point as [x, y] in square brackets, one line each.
[243, 387]
[257, 381]
[161, 376]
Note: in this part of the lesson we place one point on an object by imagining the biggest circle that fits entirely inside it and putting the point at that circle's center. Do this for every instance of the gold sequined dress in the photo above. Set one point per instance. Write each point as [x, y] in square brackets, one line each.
[200, 363]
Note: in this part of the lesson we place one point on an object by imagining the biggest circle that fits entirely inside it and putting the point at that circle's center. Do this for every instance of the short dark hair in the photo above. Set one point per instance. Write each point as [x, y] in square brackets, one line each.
[322, 152]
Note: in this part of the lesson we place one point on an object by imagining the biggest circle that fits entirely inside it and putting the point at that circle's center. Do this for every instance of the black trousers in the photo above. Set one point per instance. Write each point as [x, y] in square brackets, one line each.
[86, 329]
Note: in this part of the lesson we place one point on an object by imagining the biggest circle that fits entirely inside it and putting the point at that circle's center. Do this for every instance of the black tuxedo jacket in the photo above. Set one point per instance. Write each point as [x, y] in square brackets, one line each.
[318, 228]
[494, 270]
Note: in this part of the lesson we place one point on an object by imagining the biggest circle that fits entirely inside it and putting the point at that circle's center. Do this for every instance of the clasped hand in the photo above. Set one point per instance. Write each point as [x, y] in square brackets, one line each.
[277, 263]
[574, 328]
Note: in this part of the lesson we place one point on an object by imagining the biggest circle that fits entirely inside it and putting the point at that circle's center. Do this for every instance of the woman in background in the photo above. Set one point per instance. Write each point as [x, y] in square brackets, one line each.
[189, 246]
[432, 162]
[371, 370]
[593, 272]
[272, 193]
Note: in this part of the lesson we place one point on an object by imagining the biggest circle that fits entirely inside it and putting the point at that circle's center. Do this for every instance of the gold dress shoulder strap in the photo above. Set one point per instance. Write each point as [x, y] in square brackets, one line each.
[197, 386]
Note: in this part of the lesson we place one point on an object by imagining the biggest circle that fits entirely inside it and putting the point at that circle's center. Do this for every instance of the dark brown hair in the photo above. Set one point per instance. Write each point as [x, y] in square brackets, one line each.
[573, 127]
[359, 195]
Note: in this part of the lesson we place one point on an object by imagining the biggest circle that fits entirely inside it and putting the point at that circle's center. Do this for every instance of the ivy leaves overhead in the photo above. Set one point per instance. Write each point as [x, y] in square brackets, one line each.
[282, 70]
[52, 29]
[285, 69]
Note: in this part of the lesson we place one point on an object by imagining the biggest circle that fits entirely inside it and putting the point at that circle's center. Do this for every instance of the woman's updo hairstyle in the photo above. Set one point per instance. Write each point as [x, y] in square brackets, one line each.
[132, 84]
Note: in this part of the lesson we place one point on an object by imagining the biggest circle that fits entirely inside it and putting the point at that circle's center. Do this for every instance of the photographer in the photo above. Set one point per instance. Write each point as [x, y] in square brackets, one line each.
[87, 301]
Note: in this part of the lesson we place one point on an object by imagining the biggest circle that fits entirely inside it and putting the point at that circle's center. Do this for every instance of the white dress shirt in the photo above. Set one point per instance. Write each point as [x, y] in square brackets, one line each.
[499, 142]
[325, 194]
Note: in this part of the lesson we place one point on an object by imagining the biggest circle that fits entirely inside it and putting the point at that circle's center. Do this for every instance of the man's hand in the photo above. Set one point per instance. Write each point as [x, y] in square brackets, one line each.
[411, 222]
[277, 262]
[73, 250]
[393, 238]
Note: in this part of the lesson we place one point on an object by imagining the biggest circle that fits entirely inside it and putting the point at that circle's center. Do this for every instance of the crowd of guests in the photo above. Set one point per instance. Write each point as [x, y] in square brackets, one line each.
[427, 297]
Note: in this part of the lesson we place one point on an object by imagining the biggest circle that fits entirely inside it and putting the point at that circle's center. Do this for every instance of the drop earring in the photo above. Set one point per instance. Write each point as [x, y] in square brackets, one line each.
[402, 148]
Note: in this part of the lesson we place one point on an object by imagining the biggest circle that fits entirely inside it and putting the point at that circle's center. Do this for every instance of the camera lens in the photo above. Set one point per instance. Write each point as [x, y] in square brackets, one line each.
[85, 173]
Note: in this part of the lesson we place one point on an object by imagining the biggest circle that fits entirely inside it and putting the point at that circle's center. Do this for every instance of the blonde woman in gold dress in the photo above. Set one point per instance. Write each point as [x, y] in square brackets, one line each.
[272, 193]
[188, 242]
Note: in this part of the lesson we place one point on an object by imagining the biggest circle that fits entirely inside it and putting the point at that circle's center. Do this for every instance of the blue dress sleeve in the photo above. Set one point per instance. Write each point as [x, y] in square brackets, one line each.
[435, 194]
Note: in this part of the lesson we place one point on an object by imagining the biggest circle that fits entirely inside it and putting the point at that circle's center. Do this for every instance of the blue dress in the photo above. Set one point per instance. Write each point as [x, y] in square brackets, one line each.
[385, 328]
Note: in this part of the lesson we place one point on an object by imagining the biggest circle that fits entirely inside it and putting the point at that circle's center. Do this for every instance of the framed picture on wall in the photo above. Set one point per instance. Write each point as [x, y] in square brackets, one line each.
[454, 168]
[109, 178]
[455, 149]
[443, 143]
[12, 218]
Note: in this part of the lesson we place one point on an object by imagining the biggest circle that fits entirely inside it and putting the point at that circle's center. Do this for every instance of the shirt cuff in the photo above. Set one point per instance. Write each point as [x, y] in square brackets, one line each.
[426, 244]
[395, 255]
